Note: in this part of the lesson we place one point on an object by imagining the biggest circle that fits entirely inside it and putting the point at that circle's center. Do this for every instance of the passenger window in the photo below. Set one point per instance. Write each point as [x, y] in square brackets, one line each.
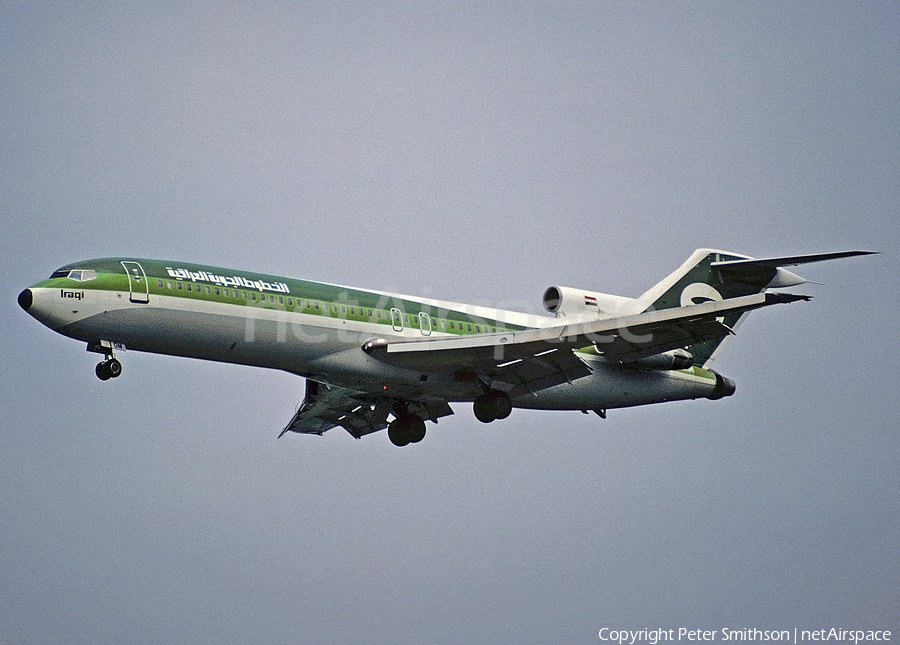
[253, 296]
[225, 292]
[316, 305]
[477, 329]
[159, 283]
[188, 286]
[352, 311]
[169, 284]
[280, 300]
[217, 290]
[451, 325]
[207, 289]
[244, 295]
[179, 286]
[469, 327]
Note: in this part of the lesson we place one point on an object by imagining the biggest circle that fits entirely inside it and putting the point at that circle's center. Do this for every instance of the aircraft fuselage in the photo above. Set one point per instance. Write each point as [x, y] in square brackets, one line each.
[310, 329]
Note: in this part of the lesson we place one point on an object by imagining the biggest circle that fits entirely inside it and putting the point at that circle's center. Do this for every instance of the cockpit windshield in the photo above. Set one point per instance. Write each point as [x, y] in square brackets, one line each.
[79, 275]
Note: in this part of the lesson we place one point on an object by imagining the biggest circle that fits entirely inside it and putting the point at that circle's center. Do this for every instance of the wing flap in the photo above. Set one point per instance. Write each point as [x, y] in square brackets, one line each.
[360, 413]
[325, 407]
[535, 372]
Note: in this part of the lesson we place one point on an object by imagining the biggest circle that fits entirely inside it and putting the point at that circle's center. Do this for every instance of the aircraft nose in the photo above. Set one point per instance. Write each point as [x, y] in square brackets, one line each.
[26, 299]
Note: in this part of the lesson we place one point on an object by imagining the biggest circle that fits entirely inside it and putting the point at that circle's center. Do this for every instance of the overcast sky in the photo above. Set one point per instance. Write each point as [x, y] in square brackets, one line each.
[479, 152]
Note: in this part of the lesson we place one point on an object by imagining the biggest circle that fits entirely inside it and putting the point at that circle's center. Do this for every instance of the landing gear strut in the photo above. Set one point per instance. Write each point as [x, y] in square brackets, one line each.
[492, 405]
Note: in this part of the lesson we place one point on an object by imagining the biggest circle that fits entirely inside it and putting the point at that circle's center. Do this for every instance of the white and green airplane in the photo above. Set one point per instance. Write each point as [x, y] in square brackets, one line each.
[375, 360]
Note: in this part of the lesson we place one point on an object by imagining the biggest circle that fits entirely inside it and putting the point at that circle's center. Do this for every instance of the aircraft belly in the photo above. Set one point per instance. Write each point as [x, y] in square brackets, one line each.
[615, 387]
[261, 337]
[213, 336]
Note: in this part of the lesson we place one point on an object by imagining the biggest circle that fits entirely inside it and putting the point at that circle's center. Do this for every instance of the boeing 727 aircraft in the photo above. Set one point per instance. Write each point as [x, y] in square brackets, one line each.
[371, 356]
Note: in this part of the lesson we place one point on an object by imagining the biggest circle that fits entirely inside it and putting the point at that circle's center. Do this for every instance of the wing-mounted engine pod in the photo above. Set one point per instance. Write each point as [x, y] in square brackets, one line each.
[569, 301]
[724, 387]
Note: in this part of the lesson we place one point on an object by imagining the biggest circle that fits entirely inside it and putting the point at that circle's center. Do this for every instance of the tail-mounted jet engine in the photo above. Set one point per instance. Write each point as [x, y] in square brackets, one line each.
[578, 303]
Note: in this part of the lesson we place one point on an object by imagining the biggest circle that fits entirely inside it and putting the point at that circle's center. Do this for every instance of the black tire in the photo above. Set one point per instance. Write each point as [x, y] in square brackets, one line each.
[502, 405]
[102, 372]
[113, 368]
[398, 433]
[416, 429]
[484, 410]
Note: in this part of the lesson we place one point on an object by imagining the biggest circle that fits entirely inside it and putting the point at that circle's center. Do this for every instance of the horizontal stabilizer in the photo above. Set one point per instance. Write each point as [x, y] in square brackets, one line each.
[786, 261]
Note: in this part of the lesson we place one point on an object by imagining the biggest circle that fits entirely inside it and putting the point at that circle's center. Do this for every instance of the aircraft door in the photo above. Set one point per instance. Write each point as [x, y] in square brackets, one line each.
[425, 324]
[397, 319]
[137, 282]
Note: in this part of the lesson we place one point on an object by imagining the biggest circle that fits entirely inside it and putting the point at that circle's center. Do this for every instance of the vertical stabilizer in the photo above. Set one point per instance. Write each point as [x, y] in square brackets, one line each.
[710, 275]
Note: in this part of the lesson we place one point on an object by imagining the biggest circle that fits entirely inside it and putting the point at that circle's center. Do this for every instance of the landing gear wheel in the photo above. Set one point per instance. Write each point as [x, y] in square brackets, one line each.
[502, 405]
[492, 406]
[483, 410]
[102, 372]
[416, 429]
[397, 433]
[113, 367]
[108, 369]
[409, 428]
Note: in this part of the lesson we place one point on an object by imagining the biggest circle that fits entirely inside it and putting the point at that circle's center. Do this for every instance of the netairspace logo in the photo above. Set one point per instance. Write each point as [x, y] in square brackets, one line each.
[655, 636]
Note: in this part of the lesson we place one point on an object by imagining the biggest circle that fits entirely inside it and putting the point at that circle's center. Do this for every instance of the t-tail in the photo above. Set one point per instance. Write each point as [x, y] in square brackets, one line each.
[711, 275]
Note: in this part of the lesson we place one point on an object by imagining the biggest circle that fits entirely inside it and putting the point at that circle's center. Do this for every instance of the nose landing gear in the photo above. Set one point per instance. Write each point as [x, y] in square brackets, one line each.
[111, 367]
[108, 369]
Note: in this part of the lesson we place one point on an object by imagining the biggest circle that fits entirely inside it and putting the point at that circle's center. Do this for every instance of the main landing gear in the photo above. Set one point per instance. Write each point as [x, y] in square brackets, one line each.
[406, 429]
[492, 405]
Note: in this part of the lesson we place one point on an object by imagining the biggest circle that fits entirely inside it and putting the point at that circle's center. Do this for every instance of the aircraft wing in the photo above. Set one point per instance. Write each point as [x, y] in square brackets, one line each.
[360, 413]
[534, 359]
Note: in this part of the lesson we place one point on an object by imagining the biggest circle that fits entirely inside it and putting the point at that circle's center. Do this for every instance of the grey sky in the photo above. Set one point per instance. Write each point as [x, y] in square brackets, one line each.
[476, 152]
